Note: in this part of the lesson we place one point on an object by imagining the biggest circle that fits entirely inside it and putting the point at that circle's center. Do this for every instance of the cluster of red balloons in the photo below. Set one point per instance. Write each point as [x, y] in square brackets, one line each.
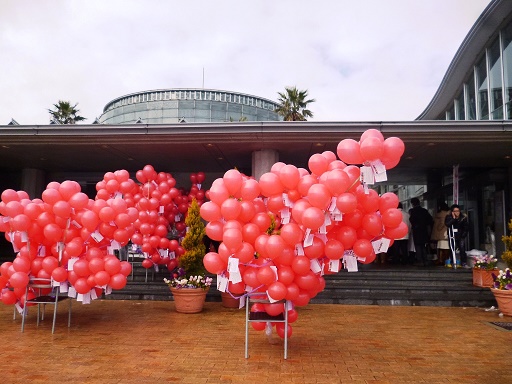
[288, 228]
[64, 236]
[70, 238]
[161, 206]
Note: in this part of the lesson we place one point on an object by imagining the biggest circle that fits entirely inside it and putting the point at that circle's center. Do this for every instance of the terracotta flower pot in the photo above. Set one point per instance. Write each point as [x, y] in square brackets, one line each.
[228, 301]
[483, 277]
[504, 299]
[189, 300]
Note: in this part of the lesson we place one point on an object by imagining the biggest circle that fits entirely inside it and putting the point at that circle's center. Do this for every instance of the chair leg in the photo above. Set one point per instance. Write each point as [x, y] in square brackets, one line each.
[54, 316]
[69, 314]
[23, 315]
[247, 329]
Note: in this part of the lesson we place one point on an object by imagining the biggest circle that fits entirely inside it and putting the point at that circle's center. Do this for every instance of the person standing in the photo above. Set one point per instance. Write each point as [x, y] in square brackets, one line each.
[440, 233]
[399, 250]
[421, 226]
[458, 228]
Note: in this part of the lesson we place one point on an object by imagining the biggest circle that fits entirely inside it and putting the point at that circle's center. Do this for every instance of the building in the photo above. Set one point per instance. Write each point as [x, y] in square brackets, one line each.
[167, 106]
[134, 133]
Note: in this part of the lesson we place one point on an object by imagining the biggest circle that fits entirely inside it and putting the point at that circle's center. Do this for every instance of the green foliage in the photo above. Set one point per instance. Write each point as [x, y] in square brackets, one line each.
[192, 260]
[65, 113]
[507, 255]
[293, 104]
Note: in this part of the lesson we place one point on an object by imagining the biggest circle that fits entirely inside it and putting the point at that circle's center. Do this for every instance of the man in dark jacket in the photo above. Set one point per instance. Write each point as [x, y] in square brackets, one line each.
[421, 227]
[458, 227]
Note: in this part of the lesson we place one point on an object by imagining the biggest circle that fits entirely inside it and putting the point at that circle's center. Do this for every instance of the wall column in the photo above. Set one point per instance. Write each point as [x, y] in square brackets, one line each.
[262, 161]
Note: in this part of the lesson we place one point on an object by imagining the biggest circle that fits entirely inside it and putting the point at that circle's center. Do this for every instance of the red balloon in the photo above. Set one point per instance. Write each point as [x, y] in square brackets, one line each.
[392, 217]
[291, 233]
[81, 268]
[318, 164]
[81, 285]
[280, 329]
[371, 148]
[319, 196]
[372, 223]
[334, 249]
[233, 181]
[315, 250]
[59, 274]
[346, 202]
[19, 279]
[250, 189]
[277, 290]
[274, 246]
[270, 184]
[289, 176]
[112, 265]
[266, 275]
[301, 265]
[363, 248]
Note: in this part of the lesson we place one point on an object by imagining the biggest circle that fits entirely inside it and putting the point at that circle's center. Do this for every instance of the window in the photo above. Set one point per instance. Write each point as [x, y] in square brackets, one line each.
[461, 115]
[506, 34]
[471, 102]
[495, 81]
[482, 96]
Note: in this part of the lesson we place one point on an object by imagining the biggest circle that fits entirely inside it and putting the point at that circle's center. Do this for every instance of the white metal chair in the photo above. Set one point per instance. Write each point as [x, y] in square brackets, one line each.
[40, 287]
[261, 297]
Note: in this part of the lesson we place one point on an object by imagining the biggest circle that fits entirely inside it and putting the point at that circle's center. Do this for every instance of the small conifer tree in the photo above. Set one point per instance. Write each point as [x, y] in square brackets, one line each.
[192, 260]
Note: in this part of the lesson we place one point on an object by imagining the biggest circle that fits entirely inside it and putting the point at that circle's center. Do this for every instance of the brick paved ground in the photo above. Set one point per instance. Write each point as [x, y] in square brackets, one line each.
[148, 342]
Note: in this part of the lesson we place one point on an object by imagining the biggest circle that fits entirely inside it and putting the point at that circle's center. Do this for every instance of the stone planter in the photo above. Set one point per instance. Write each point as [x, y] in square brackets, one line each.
[504, 299]
[189, 300]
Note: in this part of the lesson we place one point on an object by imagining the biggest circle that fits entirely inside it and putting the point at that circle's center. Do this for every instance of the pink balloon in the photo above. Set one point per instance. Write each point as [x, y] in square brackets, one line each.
[337, 182]
[318, 164]
[233, 181]
[210, 211]
[346, 202]
[291, 233]
[289, 176]
[319, 196]
[21, 222]
[371, 149]
[372, 132]
[393, 147]
[305, 183]
[270, 184]
[348, 151]
[62, 209]
[299, 208]
[246, 253]
[218, 192]
[250, 232]
[9, 195]
[79, 200]
[214, 230]
[313, 218]
[230, 209]
[213, 263]
[250, 189]
[232, 238]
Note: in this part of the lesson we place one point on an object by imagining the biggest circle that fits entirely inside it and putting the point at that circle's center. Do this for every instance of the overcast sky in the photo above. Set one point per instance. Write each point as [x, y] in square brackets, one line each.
[362, 60]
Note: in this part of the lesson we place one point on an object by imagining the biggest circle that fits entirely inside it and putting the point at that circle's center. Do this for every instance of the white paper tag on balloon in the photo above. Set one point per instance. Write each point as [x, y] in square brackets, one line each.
[71, 262]
[270, 298]
[24, 237]
[350, 263]
[172, 255]
[75, 224]
[274, 268]
[72, 292]
[87, 298]
[161, 210]
[378, 167]
[97, 237]
[118, 195]
[41, 251]
[18, 308]
[108, 290]
[233, 263]
[334, 266]
[367, 175]
[222, 283]
[94, 296]
[308, 241]
[332, 205]
[314, 265]
[63, 287]
[163, 252]
[380, 177]
[299, 250]
[79, 297]
[286, 200]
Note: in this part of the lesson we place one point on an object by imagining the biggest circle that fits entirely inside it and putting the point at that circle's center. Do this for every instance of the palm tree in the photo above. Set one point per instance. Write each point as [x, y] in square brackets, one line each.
[65, 113]
[293, 105]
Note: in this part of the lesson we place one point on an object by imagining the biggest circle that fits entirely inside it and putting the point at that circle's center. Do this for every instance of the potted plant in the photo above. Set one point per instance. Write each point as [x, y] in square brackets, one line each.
[483, 269]
[502, 291]
[189, 293]
[189, 283]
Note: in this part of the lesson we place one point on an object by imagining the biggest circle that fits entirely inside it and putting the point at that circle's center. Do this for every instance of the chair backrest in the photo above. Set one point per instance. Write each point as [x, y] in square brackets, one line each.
[40, 283]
